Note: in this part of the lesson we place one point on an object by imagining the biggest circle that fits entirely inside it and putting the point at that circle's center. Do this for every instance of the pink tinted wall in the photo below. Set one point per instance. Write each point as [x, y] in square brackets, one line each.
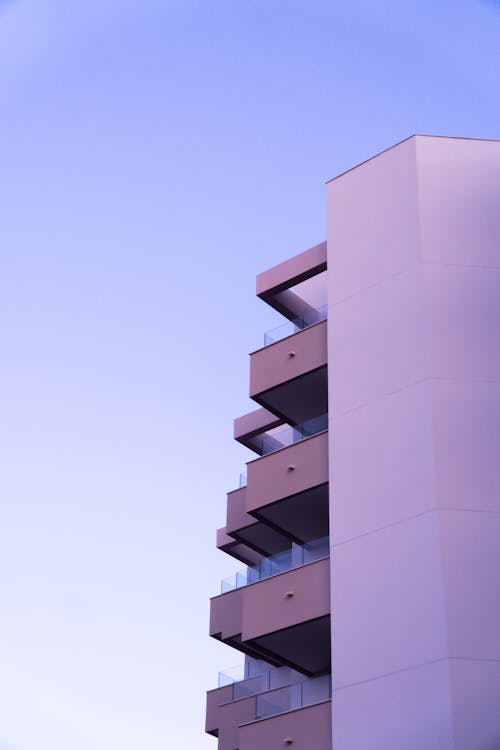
[305, 729]
[413, 391]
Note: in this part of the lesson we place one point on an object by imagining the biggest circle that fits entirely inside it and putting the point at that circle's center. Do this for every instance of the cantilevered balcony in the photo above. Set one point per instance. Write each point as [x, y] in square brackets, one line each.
[264, 433]
[272, 693]
[294, 556]
[244, 532]
[236, 548]
[289, 377]
[284, 619]
[288, 489]
[249, 532]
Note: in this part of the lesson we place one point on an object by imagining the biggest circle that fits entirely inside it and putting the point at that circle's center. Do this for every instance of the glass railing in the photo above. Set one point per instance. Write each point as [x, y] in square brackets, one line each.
[253, 681]
[293, 326]
[277, 690]
[251, 668]
[298, 695]
[232, 675]
[284, 436]
[293, 557]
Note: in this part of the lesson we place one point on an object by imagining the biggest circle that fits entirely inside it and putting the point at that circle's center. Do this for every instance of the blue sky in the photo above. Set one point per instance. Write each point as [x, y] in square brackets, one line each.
[155, 156]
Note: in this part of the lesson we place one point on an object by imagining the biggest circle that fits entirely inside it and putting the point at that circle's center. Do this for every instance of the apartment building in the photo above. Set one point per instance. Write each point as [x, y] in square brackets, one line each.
[367, 518]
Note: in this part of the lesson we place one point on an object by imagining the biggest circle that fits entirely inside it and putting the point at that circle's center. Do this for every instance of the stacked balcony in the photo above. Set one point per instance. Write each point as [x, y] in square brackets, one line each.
[276, 611]
[241, 712]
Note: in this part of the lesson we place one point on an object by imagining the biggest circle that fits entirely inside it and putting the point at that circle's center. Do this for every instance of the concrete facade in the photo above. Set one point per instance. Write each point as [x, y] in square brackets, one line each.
[413, 302]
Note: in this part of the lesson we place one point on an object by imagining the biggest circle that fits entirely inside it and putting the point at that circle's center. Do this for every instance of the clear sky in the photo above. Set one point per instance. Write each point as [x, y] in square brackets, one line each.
[155, 156]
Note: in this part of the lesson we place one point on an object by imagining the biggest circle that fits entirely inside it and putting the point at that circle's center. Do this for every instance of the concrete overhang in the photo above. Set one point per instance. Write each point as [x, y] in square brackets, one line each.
[273, 285]
[250, 428]
[289, 377]
[284, 620]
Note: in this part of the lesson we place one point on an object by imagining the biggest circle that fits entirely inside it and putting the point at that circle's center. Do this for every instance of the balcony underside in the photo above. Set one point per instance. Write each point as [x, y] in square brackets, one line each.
[250, 531]
[242, 552]
[304, 647]
[261, 537]
[302, 517]
[297, 400]
[249, 429]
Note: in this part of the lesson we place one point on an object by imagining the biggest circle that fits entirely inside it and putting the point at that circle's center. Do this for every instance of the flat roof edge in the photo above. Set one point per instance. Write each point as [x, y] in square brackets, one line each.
[408, 138]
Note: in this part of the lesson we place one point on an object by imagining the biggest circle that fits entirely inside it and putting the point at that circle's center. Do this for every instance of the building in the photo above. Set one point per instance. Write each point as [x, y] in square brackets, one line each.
[368, 517]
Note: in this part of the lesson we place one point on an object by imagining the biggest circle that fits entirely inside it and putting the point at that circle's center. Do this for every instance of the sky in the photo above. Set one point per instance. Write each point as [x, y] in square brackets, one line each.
[155, 155]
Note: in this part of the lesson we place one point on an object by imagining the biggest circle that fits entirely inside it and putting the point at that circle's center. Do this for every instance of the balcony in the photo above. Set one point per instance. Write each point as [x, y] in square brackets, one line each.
[289, 377]
[284, 620]
[236, 548]
[288, 489]
[262, 696]
[293, 557]
[248, 531]
[264, 530]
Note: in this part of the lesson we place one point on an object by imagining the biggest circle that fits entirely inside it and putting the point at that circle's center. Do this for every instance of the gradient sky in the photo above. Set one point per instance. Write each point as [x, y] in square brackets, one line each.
[155, 156]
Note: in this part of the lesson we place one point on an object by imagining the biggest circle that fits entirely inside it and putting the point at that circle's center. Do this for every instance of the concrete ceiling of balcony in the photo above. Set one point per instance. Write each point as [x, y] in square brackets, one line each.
[304, 647]
[303, 516]
[300, 399]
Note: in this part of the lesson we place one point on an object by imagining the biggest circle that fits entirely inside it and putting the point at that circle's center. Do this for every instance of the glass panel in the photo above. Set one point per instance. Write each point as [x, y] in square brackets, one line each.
[252, 686]
[281, 437]
[280, 562]
[280, 677]
[253, 575]
[274, 702]
[316, 549]
[241, 578]
[233, 674]
[275, 691]
[271, 678]
[315, 425]
[255, 666]
[297, 695]
[316, 690]
[227, 584]
[270, 443]
[295, 556]
[293, 326]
